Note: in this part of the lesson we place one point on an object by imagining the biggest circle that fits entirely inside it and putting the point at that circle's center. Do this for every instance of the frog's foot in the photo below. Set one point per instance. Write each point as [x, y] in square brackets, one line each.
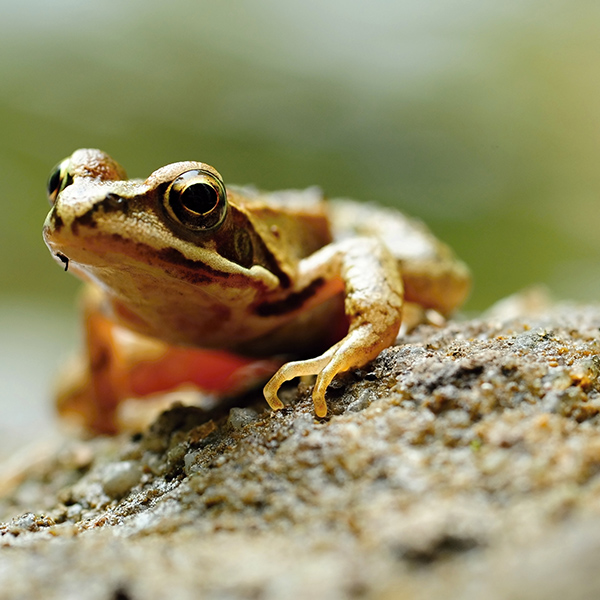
[351, 352]
[294, 369]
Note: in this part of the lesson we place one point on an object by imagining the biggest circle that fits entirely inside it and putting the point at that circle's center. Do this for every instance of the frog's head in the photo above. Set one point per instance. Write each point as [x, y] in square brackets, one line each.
[154, 241]
[97, 212]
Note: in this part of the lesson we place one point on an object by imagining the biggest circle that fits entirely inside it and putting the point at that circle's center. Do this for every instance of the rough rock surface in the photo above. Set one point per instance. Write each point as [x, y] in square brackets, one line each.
[462, 463]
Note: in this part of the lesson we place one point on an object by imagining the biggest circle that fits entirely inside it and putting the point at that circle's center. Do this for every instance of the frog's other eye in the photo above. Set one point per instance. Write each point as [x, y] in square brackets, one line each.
[197, 200]
[59, 179]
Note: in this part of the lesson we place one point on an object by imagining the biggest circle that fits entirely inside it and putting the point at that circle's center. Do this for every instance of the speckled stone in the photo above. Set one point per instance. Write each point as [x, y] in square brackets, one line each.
[463, 463]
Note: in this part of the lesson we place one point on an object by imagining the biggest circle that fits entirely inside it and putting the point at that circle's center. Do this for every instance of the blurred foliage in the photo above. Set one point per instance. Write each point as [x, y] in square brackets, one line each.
[481, 118]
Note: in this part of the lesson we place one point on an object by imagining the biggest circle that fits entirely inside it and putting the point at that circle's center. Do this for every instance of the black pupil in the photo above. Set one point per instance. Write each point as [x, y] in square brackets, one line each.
[199, 198]
[54, 182]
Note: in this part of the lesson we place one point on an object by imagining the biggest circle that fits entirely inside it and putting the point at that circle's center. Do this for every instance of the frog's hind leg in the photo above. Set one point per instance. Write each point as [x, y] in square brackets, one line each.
[92, 385]
[433, 276]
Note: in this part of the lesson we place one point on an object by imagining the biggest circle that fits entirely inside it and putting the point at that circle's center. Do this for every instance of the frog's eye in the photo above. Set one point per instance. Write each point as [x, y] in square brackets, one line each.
[197, 200]
[59, 179]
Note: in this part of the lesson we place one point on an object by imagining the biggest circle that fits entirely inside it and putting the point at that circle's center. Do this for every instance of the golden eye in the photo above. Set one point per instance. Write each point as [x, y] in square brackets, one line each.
[59, 179]
[197, 200]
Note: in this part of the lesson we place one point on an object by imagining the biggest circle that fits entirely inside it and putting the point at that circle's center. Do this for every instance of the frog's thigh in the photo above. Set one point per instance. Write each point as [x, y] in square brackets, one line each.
[373, 305]
[441, 285]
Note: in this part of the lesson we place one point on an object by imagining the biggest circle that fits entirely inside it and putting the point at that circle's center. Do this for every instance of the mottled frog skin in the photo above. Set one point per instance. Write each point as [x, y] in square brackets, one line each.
[182, 260]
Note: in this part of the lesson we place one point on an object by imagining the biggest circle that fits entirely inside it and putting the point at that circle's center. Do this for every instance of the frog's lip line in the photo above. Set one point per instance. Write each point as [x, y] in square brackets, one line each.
[147, 256]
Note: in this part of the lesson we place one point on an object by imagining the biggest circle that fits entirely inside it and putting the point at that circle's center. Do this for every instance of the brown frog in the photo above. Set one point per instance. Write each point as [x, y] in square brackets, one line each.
[180, 261]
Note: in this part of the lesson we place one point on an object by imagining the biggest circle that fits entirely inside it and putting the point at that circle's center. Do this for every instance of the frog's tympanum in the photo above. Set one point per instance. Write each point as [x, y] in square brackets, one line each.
[190, 281]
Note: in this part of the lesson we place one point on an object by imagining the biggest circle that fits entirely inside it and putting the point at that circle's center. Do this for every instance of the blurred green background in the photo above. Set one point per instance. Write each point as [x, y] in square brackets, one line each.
[482, 118]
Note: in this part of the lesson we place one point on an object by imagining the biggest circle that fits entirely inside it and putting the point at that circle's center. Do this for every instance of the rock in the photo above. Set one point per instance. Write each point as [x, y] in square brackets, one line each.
[463, 463]
[119, 477]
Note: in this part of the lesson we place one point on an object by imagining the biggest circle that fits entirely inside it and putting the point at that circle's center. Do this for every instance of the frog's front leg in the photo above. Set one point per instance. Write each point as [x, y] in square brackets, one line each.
[373, 304]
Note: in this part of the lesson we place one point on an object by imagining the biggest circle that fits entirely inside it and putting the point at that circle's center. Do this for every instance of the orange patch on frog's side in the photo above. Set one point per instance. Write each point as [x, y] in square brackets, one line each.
[122, 366]
[212, 371]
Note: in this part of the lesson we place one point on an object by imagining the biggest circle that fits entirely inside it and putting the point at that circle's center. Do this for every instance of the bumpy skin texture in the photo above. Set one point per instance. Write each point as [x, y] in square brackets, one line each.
[280, 273]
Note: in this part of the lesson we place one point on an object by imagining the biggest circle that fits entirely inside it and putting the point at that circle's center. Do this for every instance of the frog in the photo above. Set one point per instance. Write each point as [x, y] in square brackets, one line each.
[295, 282]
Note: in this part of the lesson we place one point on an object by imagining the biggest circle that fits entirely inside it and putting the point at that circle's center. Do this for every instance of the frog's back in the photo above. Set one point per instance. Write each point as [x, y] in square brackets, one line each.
[297, 223]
